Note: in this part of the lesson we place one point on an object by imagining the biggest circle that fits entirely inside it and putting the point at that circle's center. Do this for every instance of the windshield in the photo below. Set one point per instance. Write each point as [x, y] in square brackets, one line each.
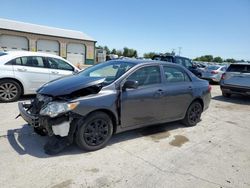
[239, 68]
[111, 70]
[2, 53]
[213, 67]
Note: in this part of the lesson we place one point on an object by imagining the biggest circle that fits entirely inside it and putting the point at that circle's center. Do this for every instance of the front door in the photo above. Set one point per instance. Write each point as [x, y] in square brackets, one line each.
[142, 106]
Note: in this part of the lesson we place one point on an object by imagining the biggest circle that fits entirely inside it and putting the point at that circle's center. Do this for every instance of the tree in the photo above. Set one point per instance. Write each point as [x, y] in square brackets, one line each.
[218, 60]
[230, 60]
[205, 58]
[119, 53]
[113, 51]
[107, 50]
[149, 55]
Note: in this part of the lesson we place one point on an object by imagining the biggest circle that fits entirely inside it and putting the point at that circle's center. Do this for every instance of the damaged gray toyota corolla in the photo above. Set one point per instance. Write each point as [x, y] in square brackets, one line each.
[112, 97]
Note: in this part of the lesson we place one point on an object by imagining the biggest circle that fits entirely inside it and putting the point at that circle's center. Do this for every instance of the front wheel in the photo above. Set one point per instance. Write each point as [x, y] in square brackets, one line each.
[193, 114]
[94, 132]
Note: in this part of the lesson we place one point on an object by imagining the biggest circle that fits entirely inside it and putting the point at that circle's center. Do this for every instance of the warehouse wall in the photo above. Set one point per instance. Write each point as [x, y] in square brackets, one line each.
[63, 42]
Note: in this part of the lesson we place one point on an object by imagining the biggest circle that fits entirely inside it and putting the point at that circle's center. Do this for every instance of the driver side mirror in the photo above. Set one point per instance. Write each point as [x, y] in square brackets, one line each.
[130, 84]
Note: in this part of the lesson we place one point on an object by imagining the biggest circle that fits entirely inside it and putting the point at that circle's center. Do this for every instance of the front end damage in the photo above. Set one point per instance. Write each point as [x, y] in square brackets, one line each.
[59, 126]
[53, 116]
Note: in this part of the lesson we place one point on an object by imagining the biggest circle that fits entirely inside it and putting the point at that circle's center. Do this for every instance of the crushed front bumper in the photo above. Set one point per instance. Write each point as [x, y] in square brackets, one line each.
[31, 119]
[53, 126]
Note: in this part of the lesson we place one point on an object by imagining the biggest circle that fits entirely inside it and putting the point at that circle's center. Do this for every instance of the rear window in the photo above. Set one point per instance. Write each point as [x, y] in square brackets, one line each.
[2, 53]
[213, 67]
[238, 68]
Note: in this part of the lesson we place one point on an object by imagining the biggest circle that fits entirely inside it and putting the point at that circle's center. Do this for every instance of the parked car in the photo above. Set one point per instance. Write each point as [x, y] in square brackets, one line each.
[236, 80]
[23, 72]
[213, 73]
[113, 97]
[187, 63]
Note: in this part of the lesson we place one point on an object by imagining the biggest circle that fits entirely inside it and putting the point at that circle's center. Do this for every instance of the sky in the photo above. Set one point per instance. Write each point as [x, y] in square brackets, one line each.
[199, 27]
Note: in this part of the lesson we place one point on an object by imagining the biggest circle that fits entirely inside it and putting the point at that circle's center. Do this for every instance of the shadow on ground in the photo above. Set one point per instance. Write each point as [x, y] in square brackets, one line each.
[236, 99]
[25, 142]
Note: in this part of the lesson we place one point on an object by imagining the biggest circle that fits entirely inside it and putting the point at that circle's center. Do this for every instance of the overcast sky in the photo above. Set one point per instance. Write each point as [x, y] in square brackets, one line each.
[200, 27]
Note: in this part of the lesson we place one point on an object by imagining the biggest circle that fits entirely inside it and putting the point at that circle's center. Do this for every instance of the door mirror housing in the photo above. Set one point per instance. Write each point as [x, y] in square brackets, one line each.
[130, 84]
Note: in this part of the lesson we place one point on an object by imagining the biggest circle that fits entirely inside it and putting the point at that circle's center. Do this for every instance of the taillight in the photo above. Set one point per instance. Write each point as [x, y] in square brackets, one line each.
[214, 72]
[223, 76]
[209, 88]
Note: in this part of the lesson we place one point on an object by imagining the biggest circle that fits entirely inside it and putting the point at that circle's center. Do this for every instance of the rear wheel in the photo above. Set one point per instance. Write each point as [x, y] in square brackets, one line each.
[193, 114]
[94, 132]
[10, 90]
[227, 95]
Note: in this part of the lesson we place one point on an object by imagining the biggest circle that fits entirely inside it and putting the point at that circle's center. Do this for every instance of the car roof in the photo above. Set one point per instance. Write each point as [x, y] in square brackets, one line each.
[140, 61]
[29, 53]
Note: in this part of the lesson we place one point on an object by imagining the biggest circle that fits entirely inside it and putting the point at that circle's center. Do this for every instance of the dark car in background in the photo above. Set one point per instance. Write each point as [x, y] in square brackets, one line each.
[186, 62]
[113, 97]
[236, 80]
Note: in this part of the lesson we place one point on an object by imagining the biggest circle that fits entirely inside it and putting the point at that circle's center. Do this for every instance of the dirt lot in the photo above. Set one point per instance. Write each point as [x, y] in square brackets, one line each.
[215, 153]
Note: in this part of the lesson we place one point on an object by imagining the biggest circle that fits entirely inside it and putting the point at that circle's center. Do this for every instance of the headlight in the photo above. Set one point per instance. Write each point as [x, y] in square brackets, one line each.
[53, 109]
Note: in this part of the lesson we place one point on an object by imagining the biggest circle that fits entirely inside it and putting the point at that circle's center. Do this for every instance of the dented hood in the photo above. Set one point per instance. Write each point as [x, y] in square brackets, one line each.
[68, 85]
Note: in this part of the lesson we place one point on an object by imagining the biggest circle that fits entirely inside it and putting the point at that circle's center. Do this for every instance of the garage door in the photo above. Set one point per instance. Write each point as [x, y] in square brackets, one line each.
[76, 53]
[48, 46]
[9, 42]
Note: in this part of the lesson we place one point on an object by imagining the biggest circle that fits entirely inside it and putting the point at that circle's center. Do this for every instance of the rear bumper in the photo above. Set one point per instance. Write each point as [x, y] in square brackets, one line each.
[235, 90]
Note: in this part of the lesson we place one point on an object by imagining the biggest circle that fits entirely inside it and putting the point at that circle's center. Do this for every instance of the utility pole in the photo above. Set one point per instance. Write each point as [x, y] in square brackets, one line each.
[180, 48]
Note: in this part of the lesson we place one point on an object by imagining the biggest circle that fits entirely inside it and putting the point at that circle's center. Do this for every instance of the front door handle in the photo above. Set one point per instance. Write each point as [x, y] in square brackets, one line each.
[22, 69]
[159, 93]
[55, 72]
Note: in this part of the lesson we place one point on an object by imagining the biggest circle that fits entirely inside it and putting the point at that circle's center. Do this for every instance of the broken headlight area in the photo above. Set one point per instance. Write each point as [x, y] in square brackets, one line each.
[53, 109]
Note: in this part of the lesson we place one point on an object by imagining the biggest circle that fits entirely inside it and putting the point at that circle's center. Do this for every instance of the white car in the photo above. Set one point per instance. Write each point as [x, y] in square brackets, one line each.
[23, 72]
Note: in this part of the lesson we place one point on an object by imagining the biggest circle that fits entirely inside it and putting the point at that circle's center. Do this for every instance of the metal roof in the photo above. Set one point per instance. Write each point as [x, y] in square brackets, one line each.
[43, 30]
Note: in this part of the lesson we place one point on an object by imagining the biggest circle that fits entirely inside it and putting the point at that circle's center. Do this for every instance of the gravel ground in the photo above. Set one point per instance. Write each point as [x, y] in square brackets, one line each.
[215, 153]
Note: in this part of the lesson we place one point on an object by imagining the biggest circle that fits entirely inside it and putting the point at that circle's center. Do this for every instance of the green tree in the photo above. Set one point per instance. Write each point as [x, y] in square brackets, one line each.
[218, 60]
[113, 51]
[149, 55]
[107, 50]
[230, 60]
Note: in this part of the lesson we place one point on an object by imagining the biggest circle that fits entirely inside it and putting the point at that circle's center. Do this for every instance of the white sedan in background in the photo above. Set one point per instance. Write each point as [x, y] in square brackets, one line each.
[23, 72]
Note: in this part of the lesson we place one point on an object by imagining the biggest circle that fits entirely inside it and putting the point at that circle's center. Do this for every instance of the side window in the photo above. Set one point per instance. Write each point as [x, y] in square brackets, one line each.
[187, 63]
[175, 75]
[147, 75]
[59, 64]
[16, 61]
[33, 61]
[180, 61]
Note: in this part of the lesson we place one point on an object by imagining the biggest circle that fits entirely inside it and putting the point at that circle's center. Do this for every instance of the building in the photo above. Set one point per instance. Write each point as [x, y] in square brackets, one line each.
[74, 46]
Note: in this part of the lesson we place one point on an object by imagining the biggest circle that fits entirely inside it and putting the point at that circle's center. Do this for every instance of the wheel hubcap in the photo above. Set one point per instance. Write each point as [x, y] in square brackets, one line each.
[8, 91]
[195, 113]
[96, 132]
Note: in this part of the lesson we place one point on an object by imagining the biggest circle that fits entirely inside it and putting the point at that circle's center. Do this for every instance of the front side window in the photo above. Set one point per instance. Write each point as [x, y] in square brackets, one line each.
[147, 75]
[175, 75]
[55, 63]
[111, 71]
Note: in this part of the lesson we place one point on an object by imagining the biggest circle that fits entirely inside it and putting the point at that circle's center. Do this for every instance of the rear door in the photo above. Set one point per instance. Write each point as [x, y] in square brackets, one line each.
[58, 68]
[178, 94]
[238, 75]
[32, 71]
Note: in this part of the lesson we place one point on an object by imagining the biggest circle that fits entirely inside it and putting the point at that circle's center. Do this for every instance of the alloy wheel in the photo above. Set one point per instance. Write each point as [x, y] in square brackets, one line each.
[8, 91]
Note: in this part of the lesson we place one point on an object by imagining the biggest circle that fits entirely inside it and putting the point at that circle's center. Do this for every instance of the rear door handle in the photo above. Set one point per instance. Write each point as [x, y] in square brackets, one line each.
[190, 87]
[55, 72]
[21, 69]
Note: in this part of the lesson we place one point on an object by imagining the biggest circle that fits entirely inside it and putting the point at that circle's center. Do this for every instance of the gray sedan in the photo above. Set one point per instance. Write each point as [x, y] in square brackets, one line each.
[113, 97]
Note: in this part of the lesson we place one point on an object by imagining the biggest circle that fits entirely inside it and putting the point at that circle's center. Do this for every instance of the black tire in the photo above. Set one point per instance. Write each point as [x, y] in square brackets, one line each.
[10, 90]
[193, 114]
[227, 95]
[94, 132]
[40, 131]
